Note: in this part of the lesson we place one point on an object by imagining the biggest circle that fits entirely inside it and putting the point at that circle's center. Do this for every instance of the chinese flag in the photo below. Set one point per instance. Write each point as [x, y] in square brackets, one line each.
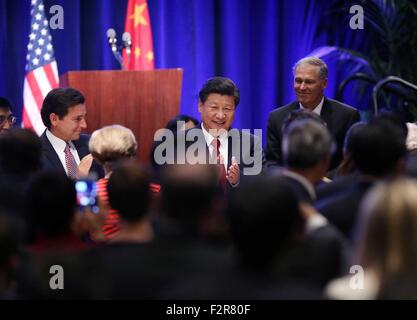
[138, 25]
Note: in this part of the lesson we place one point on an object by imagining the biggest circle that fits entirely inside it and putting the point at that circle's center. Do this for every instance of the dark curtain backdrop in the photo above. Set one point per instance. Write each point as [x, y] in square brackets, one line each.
[254, 42]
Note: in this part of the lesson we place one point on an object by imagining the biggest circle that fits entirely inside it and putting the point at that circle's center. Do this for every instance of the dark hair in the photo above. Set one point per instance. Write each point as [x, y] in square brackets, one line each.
[20, 151]
[265, 220]
[395, 119]
[128, 189]
[348, 165]
[9, 239]
[4, 103]
[58, 101]
[221, 85]
[188, 192]
[378, 146]
[51, 203]
[172, 124]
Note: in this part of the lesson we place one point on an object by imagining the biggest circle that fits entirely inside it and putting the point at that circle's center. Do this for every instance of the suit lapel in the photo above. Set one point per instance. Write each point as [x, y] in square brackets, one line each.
[326, 114]
[82, 148]
[230, 152]
[50, 155]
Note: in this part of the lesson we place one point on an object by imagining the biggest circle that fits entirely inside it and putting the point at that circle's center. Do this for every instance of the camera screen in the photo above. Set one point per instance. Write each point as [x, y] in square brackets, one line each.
[87, 194]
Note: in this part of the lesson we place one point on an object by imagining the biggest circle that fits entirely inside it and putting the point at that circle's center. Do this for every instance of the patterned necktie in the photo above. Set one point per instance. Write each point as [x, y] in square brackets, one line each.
[220, 162]
[70, 162]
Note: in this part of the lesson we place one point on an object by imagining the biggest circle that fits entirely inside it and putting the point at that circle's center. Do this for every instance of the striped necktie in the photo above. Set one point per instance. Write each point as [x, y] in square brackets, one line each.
[220, 162]
[70, 162]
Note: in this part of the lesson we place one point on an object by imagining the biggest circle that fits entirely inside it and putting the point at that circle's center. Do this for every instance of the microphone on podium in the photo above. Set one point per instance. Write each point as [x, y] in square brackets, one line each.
[111, 35]
[112, 39]
[127, 43]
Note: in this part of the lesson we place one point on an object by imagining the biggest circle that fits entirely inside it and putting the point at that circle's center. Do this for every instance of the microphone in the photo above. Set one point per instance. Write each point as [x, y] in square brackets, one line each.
[127, 42]
[111, 35]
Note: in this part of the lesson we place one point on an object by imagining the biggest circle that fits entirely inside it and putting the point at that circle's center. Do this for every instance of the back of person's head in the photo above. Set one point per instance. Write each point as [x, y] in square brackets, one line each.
[173, 123]
[221, 85]
[378, 147]
[52, 203]
[5, 104]
[128, 190]
[58, 101]
[305, 143]
[9, 239]
[350, 136]
[112, 143]
[301, 114]
[348, 166]
[188, 192]
[20, 152]
[9, 249]
[393, 118]
[388, 230]
[265, 220]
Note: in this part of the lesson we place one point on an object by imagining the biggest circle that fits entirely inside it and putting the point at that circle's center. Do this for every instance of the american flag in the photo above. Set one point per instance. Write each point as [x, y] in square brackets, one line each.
[41, 68]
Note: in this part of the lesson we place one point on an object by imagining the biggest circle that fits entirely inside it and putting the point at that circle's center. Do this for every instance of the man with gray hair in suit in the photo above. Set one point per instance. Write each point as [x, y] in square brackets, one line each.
[310, 81]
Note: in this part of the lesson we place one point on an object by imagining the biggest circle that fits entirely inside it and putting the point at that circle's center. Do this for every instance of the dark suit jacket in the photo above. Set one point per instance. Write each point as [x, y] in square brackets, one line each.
[338, 185]
[342, 208]
[339, 118]
[51, 162]
[245, 147]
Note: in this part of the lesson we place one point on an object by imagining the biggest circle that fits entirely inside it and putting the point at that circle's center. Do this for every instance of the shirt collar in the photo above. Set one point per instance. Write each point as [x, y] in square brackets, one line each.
[317, 109]
[209, 138]
[58, 143]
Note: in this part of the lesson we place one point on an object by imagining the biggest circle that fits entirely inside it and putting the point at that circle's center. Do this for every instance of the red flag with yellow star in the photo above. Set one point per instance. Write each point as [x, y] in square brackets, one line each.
[138, 25]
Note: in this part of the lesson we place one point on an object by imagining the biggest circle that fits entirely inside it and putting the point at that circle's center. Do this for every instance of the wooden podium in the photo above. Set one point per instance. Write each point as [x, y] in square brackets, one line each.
[143, 101]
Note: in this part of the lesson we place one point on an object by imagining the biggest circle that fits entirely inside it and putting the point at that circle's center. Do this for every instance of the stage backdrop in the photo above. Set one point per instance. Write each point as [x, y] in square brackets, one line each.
[254, 42]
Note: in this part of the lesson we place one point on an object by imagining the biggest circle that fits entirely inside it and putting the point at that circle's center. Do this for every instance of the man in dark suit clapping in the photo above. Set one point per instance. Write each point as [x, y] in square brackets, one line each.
[237, 153]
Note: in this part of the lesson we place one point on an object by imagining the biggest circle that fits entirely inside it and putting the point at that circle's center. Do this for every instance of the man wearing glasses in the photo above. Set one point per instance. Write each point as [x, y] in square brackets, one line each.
[7, 120]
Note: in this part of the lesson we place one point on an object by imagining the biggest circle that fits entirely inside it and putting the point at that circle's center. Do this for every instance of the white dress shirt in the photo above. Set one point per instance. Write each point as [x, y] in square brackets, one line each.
[59, 147]
[317, 109]
[223, 149]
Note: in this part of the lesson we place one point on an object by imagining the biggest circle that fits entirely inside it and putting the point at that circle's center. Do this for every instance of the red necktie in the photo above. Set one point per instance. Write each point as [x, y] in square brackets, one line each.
[220, 162]
[70, 163]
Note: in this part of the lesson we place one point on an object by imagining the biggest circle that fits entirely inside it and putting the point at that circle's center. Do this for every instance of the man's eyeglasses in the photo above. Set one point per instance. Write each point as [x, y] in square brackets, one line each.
[10, 119]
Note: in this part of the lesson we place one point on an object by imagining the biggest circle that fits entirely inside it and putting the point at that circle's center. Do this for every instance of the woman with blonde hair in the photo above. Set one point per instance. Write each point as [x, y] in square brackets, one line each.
[387, 244]
[111, 146]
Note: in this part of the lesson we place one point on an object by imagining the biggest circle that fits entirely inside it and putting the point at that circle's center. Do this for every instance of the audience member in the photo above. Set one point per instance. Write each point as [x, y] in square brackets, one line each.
[379, 151]
[112, 146]
[129, 194]
[9, 251]
[7, 120]
[52, 208]
[20, 160]
[346, 173]
[306, 147]
[189, 122]
[180, 122]
[386, 246]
